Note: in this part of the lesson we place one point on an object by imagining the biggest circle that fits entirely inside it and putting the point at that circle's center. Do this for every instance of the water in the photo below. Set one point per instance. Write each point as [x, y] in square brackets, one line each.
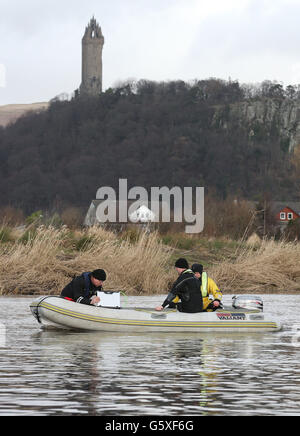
[65, 373]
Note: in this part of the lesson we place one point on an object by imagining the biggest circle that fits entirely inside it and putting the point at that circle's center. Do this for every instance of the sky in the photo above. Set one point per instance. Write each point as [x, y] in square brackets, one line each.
[245, 40]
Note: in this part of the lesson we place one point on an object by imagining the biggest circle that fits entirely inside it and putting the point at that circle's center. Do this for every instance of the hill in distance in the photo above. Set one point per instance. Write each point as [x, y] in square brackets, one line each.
[153, 134]
[11, 112]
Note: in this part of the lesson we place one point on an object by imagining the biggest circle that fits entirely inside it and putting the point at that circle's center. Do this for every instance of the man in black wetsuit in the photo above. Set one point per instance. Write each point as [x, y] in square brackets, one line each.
[186, 288]
[83, 289]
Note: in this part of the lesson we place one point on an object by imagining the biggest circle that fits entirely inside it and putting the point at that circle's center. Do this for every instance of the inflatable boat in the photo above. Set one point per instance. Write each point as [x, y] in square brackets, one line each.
[242, 316]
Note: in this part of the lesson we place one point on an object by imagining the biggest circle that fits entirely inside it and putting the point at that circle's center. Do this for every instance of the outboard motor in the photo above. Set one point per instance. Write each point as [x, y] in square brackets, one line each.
[248, 302]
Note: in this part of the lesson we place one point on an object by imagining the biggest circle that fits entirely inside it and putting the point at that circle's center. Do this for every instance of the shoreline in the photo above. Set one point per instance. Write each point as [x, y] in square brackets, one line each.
[243, 292]
[141, 264]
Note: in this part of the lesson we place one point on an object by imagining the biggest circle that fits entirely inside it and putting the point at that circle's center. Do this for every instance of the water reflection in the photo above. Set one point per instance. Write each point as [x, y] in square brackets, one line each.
[53, 372]
[120, 374]
[113, 374]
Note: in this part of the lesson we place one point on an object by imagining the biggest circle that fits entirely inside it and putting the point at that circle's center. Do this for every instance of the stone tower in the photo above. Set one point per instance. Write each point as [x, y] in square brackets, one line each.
[92, 45]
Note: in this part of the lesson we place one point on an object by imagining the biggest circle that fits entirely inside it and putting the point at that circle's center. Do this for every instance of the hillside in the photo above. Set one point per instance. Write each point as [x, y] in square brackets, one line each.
[264, 115]
[11, 112]
[153, 134]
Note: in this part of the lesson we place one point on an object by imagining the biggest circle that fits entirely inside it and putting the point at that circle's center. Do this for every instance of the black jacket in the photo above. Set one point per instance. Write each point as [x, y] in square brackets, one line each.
[188, 288]
[76, 290]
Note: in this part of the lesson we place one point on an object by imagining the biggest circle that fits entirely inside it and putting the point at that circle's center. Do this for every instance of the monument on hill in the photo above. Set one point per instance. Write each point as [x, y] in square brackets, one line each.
[92, 46]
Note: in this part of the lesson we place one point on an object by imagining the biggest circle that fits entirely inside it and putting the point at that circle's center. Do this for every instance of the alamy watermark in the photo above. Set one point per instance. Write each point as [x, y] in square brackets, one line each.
[291, 336]
[2, 335]
[295, 337]
[2, 76]
[165, 205]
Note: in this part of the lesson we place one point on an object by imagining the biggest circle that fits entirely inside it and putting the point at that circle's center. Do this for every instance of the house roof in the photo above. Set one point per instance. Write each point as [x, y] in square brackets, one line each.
[278, 206]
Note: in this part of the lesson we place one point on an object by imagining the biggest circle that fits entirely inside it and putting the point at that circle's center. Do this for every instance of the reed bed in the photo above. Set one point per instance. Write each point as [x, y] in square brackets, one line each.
[43, 260]
[46, 260]
[270, 267]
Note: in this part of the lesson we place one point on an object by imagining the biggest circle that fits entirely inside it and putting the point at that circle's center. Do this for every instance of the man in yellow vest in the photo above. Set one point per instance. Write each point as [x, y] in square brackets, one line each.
[208, 287]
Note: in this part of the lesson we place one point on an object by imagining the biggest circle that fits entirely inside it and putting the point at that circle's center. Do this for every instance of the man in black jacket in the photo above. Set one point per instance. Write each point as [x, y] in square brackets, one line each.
[186, 288]
[83, 289]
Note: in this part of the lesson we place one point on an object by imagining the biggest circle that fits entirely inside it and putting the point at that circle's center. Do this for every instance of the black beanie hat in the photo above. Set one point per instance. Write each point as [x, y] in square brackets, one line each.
[197, 267]
[181, 263]
[99, 274]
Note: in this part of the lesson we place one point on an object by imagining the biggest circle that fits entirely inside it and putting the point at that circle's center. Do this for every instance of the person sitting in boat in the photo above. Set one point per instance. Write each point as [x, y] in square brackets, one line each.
[83, 289]
[186, 288]
[208, 287]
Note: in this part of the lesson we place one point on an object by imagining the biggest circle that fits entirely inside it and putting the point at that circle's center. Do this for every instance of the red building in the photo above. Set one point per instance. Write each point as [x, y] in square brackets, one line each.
[286, 214]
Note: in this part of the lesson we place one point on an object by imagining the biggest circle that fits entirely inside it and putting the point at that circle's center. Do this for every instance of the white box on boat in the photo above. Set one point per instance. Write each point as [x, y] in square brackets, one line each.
[109, 299]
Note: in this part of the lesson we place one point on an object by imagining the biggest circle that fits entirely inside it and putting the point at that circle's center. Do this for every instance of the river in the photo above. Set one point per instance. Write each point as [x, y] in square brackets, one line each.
[51, 372]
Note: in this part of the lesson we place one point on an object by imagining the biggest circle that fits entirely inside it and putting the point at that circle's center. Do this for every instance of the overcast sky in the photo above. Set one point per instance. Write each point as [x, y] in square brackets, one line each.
[246, 40]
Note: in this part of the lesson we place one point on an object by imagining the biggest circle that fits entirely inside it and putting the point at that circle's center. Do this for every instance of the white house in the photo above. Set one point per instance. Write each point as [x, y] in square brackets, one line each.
[142, 215]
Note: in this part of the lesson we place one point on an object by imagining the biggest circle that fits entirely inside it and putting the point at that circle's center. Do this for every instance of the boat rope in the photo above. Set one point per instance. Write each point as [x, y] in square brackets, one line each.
[37, 309]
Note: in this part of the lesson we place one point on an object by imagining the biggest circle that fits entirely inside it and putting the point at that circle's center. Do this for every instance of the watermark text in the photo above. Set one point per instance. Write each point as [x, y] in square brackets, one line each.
[164, 205]
[2, 76]
[2, 335]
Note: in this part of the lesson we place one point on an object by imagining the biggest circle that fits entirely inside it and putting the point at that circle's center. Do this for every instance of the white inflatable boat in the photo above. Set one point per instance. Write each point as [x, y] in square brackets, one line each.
[245, 315]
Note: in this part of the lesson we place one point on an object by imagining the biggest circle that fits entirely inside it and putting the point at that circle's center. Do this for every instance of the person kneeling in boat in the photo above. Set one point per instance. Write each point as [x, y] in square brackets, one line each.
[83, 289]
[186, 288]
[208, 287]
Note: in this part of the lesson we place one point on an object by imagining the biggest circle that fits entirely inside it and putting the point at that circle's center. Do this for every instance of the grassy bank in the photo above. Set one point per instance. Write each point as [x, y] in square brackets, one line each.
[44, 259]
[270, 267]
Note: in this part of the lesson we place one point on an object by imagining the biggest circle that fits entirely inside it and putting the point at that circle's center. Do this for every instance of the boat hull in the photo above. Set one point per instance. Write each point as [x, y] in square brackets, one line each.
[67, 314]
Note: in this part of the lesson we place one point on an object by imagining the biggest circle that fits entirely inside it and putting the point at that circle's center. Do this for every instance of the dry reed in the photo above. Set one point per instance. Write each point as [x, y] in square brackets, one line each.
[273, 266]
[46, 260]
[44, 263]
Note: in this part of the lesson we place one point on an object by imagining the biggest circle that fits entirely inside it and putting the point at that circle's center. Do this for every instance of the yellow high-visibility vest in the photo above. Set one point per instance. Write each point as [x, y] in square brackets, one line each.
[204, 290]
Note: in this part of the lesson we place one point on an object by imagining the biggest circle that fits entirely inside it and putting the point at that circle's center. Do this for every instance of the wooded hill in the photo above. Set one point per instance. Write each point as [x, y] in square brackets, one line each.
[153, 134]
